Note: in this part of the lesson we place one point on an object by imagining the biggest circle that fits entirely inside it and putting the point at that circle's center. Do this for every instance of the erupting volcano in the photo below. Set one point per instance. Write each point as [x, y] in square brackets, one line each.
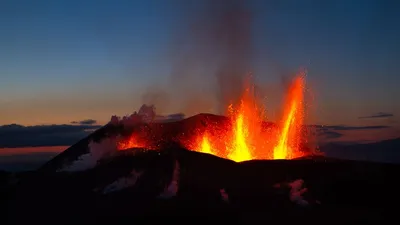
[221, 39]
[244, 135]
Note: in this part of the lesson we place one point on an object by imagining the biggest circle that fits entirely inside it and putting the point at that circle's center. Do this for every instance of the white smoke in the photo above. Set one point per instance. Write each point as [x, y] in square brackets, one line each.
[114, 120]
[172, 189]
[146, 114]
[123, 182]
[97, 151]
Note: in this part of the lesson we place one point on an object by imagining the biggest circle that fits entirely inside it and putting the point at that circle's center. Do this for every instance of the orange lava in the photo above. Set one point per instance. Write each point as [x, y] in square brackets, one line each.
[247, 139]
[131, 142]
[290, 129]
[246, 135]
[205, 145]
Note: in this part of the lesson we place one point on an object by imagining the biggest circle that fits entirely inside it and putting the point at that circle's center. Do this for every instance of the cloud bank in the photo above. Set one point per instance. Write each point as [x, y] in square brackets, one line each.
[14, 135]
[85, 122]
[354, 134]
[343, 128]
[377, 115]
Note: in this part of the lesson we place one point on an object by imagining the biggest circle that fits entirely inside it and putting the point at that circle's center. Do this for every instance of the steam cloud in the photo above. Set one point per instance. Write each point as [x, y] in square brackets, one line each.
[210, 61]
[97, 151]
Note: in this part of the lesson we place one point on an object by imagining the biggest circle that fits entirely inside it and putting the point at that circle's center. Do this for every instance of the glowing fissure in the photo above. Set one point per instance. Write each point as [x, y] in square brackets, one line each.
[240, 150]
[282, 149]
[131, 142]
[205, 145]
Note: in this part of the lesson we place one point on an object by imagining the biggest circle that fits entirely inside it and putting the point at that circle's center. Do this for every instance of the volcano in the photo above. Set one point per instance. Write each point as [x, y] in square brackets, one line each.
[153, 186]
[96, 181]
[237, 168]
[113, 138]
[242, 135]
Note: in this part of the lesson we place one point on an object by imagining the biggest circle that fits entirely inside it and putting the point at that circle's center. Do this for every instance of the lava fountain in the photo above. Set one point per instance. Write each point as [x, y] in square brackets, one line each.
[244, 134]
[290, 135]
[247, 139]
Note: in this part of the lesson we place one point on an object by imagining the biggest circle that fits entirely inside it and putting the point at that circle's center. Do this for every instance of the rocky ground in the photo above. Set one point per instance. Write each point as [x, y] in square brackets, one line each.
[130, 188]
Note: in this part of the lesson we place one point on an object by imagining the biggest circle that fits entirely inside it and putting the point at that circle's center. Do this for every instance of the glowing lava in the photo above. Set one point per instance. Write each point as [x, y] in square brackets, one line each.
[246, 139]
[131, 142]
[244, 135]
[240, 150]
[205, 145]
[290, 133]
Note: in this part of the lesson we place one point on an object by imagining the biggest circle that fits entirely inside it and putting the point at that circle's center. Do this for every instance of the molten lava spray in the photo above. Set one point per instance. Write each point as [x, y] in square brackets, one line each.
[246, 139]
[246, 126]
[218, 47]
[290, 129]
[205, 145]
[245, 135]
[240, 150]
[131, 142]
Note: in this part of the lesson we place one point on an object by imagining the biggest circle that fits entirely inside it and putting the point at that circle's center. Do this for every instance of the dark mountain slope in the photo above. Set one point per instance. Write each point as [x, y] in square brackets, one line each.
[357, 190]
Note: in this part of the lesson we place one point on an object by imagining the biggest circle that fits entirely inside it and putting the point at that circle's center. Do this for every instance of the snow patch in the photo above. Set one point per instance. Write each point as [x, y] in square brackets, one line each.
[123, 182]
[224, 195]
[172, 189]
[97, 151]
[296, 192]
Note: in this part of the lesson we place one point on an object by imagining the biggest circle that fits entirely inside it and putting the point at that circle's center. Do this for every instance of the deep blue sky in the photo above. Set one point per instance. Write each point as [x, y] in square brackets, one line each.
[72, 60]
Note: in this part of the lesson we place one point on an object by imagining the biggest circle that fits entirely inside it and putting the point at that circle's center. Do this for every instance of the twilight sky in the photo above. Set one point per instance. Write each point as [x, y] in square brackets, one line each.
[63, 61]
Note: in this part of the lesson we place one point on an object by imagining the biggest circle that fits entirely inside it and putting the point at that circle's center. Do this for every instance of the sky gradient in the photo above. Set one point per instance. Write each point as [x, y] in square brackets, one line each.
[63, 61]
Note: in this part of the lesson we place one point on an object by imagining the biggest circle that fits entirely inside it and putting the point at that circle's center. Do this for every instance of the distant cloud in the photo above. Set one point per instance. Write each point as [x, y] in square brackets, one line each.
[343, 128]
[85, 122]
[334, 132]
[15, 135]
[377, 115]
[330, 134]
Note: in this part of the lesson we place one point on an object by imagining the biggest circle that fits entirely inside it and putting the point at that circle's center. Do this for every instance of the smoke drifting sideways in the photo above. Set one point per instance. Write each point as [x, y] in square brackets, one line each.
[108, 146]
[210, 59]
[97, 152]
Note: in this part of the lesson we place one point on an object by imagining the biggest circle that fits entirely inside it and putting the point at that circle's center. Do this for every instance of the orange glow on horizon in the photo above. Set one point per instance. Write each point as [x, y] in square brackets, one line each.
[32, 150]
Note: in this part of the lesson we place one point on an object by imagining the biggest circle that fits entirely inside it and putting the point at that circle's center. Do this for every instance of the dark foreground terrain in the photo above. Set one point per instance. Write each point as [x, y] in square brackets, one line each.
[349, 192]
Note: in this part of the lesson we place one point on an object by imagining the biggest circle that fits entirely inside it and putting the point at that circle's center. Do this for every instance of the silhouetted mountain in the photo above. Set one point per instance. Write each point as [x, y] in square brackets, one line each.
[148, 186]
[349, 191]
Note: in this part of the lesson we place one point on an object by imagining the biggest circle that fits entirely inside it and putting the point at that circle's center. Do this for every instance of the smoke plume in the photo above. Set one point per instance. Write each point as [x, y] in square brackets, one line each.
[209, 59]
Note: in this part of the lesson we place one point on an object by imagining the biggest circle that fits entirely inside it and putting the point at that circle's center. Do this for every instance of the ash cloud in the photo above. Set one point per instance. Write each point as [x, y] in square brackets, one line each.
[377, 115]
[210, 58]
[14, 135]
[85, 122]
[157, 97]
